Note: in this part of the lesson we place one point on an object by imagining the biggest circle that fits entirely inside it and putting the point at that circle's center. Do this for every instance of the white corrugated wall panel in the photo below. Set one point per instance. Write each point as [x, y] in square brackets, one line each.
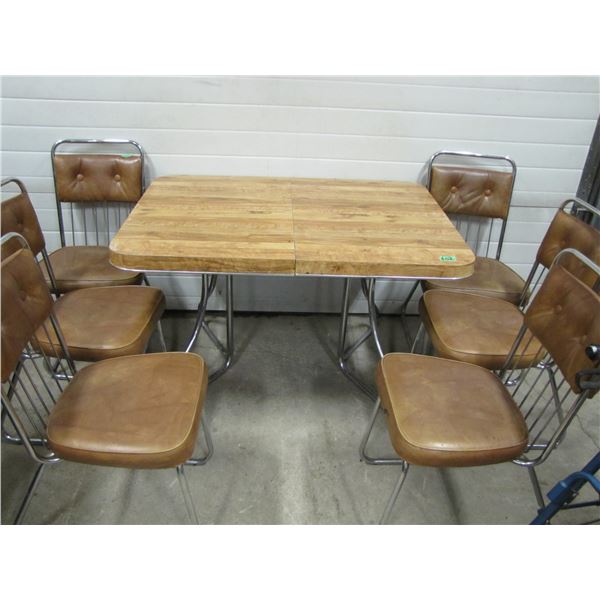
[364, 127]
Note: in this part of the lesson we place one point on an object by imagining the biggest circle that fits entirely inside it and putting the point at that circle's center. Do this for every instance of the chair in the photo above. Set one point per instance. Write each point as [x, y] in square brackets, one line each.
[445, 413]
[481, 329]
[140, 411]
[98, 322]
[476, 199]
[100, 191]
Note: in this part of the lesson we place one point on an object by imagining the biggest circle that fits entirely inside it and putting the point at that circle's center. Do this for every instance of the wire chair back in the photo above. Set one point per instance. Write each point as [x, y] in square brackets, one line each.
[100, 189]
[564, 316]
[475, 198]
[28, 323]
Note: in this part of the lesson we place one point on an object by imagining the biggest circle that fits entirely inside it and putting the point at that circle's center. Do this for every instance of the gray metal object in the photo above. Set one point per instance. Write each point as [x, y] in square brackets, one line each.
[208, 283]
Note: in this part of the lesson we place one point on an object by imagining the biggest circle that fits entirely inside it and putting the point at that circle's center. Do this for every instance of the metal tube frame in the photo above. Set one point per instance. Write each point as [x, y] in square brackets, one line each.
[343, 353]
[187, 495]
[227, 350]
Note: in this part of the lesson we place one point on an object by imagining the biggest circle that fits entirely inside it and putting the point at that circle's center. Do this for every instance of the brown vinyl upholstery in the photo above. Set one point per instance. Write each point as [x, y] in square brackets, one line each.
[136, 412]
[565, 317]
[26, 304]
[445, 413]
[74, 267]
[94, 178]
[479, 193]
[101, 323]
[77, 267]
[474, 329]
[98, 177]
[490, 278]
[567, 231]
[471, 191]
[479, 331]
[18, 216]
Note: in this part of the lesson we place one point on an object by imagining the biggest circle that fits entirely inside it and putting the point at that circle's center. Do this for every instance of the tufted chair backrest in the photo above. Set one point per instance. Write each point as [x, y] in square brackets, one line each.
[474, 196]
[99, 188]
[567, 231]
[18, 216]
[565, 317]
[26, 304]
[470, 191]
[98, 177]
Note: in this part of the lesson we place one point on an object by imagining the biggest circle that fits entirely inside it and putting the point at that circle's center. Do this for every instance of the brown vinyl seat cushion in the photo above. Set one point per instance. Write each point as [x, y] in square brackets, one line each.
[490, 278]
[136, 411]
[444, 413]
[475, 329]
[99, 323]
[77, 267]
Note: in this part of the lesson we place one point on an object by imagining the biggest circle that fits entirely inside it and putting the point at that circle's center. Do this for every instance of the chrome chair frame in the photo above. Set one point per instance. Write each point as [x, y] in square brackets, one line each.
[208, 282]
[547, 419]
[368, 286]
[50, 271]
[538, 271]
[94, 206]
[458, 221]
[33, 438]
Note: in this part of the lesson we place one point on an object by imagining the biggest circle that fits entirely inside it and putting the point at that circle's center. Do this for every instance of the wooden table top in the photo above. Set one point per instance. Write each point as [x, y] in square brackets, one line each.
[290, 227]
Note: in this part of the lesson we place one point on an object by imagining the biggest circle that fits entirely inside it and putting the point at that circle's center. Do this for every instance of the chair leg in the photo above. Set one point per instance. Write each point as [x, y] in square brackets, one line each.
[187, 496]
[161, 337]
[194, 462]
[403, 308]
[420, 332]
[29, 495]
[537, 490]
[388, 509]
[364, 457]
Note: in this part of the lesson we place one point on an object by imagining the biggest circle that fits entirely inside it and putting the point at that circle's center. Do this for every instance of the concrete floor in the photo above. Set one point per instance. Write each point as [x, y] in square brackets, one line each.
[286, 426]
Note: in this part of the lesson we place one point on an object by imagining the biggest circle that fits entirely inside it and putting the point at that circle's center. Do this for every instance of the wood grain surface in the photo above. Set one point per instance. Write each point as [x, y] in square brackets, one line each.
[209, 224]
[374, 228]
[291, 226]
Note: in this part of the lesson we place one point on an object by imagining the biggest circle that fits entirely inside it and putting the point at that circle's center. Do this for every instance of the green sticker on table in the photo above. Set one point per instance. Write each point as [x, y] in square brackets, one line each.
[448, 258]
[126, 155]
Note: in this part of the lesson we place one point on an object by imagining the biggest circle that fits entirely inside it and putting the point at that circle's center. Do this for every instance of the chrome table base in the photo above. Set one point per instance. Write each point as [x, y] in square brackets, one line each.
[208, 286]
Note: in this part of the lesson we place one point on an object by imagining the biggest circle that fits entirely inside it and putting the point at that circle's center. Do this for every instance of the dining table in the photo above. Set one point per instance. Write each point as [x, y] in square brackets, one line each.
[348, 228]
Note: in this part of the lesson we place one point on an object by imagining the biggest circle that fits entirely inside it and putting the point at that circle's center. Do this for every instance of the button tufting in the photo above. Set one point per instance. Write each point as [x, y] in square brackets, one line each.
[23, 295]
[454, 189]
[558, 308]
[79, 176]
[488, 192]
[117, 177]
